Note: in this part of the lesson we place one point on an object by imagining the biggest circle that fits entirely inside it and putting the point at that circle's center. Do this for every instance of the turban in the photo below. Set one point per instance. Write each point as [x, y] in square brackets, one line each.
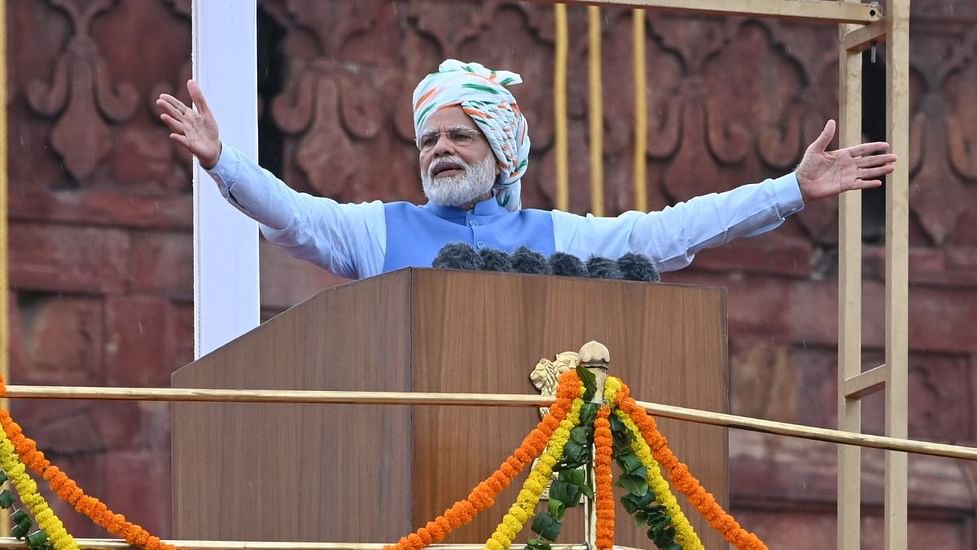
[481, 93]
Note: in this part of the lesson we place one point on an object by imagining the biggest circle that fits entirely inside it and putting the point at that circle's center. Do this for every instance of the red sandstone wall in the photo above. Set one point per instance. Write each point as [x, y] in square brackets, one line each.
[100, 215]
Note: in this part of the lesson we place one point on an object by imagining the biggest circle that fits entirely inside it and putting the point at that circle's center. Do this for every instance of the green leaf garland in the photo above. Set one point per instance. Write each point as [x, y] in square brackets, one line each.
[640, 500]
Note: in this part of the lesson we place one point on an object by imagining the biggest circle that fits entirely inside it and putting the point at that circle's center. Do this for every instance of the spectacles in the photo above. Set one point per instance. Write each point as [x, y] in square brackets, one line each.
[459, 137]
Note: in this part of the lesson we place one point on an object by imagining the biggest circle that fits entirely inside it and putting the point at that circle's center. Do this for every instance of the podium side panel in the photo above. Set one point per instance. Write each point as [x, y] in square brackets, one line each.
[302, 472]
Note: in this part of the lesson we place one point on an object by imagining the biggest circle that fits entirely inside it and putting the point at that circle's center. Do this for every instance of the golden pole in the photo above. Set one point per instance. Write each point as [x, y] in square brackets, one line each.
[4, 252]
[596, 114]
[93, 544]
[640, 114]
[483, 399]
[560, 108]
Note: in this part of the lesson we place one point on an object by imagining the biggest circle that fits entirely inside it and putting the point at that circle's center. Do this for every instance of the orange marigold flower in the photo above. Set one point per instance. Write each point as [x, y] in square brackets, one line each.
[426, 536]
[140, 537]
[602, 469]
[483, 495]
[508, 471]
[684, 481]
[481, 501]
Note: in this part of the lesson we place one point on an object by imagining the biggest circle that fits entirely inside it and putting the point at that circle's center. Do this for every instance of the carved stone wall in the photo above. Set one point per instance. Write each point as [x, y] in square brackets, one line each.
[100, 213]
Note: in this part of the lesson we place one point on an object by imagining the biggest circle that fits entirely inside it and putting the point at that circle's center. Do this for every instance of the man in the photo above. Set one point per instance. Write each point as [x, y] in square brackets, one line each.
[473, 148]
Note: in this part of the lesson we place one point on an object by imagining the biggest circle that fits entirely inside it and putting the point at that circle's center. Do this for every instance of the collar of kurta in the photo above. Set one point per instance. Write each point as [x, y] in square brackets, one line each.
[487, 207]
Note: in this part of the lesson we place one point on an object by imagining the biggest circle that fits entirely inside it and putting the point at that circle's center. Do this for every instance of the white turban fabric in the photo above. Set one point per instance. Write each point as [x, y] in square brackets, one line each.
[481, 93]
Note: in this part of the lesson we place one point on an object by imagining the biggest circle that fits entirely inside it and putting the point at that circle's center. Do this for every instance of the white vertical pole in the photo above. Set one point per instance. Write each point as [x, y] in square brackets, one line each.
[225, 266]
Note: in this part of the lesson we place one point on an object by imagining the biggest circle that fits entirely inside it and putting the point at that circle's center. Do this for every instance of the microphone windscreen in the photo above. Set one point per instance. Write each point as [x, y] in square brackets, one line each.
[494, 260]
[456, 256]
[602, 268]
[637, 267]
[567, 265]
[525, 260]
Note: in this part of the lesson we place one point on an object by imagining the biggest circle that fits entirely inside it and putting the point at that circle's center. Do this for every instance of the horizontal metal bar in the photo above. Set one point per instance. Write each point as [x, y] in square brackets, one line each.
[481, 399]
[865, 37]
[866, 383]
[208, 395]
[808, 432]
[93, 544]
[810, 10]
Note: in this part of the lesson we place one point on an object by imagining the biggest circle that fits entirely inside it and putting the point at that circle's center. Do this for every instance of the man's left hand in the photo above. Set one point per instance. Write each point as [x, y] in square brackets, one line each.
[824, 173]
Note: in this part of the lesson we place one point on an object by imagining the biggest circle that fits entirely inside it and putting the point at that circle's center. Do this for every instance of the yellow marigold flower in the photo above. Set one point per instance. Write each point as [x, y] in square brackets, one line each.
[548, 461]
[520, 514]
[534, 485]
[532, 488]
[685, 534]
[538, 476]
[612, 385]
[35, 503]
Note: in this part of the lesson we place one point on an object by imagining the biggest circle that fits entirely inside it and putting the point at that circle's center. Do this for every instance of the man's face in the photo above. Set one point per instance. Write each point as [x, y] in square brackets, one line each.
[456, 161]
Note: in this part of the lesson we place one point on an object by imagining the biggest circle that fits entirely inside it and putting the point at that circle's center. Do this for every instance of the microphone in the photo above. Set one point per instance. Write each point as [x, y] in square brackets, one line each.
[525, 260]
[567, 265]
[494, 260]
[603, 268]
[637, 267]
[456, 256]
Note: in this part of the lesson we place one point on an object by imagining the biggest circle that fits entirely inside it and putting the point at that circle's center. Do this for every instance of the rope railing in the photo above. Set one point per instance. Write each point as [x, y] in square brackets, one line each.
[484, 400]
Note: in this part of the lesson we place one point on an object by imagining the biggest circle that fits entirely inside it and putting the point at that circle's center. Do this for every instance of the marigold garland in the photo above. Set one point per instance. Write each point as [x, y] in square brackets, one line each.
[702, 500]
[483, 495]
[551, 435]
[685, 534]
[69, 491]
[603, 451]
[527, 499]
[57, 535]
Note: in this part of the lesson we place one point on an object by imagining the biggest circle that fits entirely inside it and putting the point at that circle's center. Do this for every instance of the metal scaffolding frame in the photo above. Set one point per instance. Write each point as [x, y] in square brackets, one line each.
[860, 26]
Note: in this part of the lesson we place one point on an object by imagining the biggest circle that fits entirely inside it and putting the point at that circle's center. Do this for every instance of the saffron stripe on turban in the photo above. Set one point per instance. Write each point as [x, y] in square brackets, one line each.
[483, 95]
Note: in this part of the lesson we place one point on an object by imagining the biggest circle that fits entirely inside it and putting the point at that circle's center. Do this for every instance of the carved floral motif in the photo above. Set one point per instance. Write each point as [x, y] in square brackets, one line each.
[81, 90]
[943, 134]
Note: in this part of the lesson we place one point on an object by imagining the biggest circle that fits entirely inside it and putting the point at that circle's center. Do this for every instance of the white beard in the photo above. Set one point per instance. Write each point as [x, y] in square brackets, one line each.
[461, 189]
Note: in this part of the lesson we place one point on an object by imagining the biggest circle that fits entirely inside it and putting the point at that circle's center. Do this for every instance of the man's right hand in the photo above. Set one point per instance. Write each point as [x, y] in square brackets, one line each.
[194, 129]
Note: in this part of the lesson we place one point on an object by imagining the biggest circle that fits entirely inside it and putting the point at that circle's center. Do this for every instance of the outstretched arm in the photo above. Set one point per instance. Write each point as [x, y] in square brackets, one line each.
[673, 236]
[194, 128]
[346, 239]
[822, 173]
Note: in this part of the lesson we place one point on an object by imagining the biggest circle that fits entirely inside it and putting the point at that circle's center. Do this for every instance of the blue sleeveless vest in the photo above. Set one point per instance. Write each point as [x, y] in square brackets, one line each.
[415, 234]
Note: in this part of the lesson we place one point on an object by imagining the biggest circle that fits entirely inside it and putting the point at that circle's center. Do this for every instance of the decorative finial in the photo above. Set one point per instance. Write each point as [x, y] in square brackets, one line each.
[594, 354]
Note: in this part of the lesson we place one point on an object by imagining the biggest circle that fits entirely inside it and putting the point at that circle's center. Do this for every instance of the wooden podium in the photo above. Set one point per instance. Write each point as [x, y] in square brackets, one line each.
[358, 473]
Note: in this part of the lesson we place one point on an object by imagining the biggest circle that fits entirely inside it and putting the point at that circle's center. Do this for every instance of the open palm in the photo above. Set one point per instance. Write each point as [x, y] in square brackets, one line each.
[824, 173]
[194, 129]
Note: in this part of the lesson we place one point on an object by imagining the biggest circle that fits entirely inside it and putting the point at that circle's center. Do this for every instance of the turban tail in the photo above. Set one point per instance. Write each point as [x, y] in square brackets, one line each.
[481, 93]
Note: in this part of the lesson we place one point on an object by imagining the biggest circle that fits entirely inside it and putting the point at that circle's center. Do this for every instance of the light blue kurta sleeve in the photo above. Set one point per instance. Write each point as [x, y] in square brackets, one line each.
[346, 239]
[671, 237]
